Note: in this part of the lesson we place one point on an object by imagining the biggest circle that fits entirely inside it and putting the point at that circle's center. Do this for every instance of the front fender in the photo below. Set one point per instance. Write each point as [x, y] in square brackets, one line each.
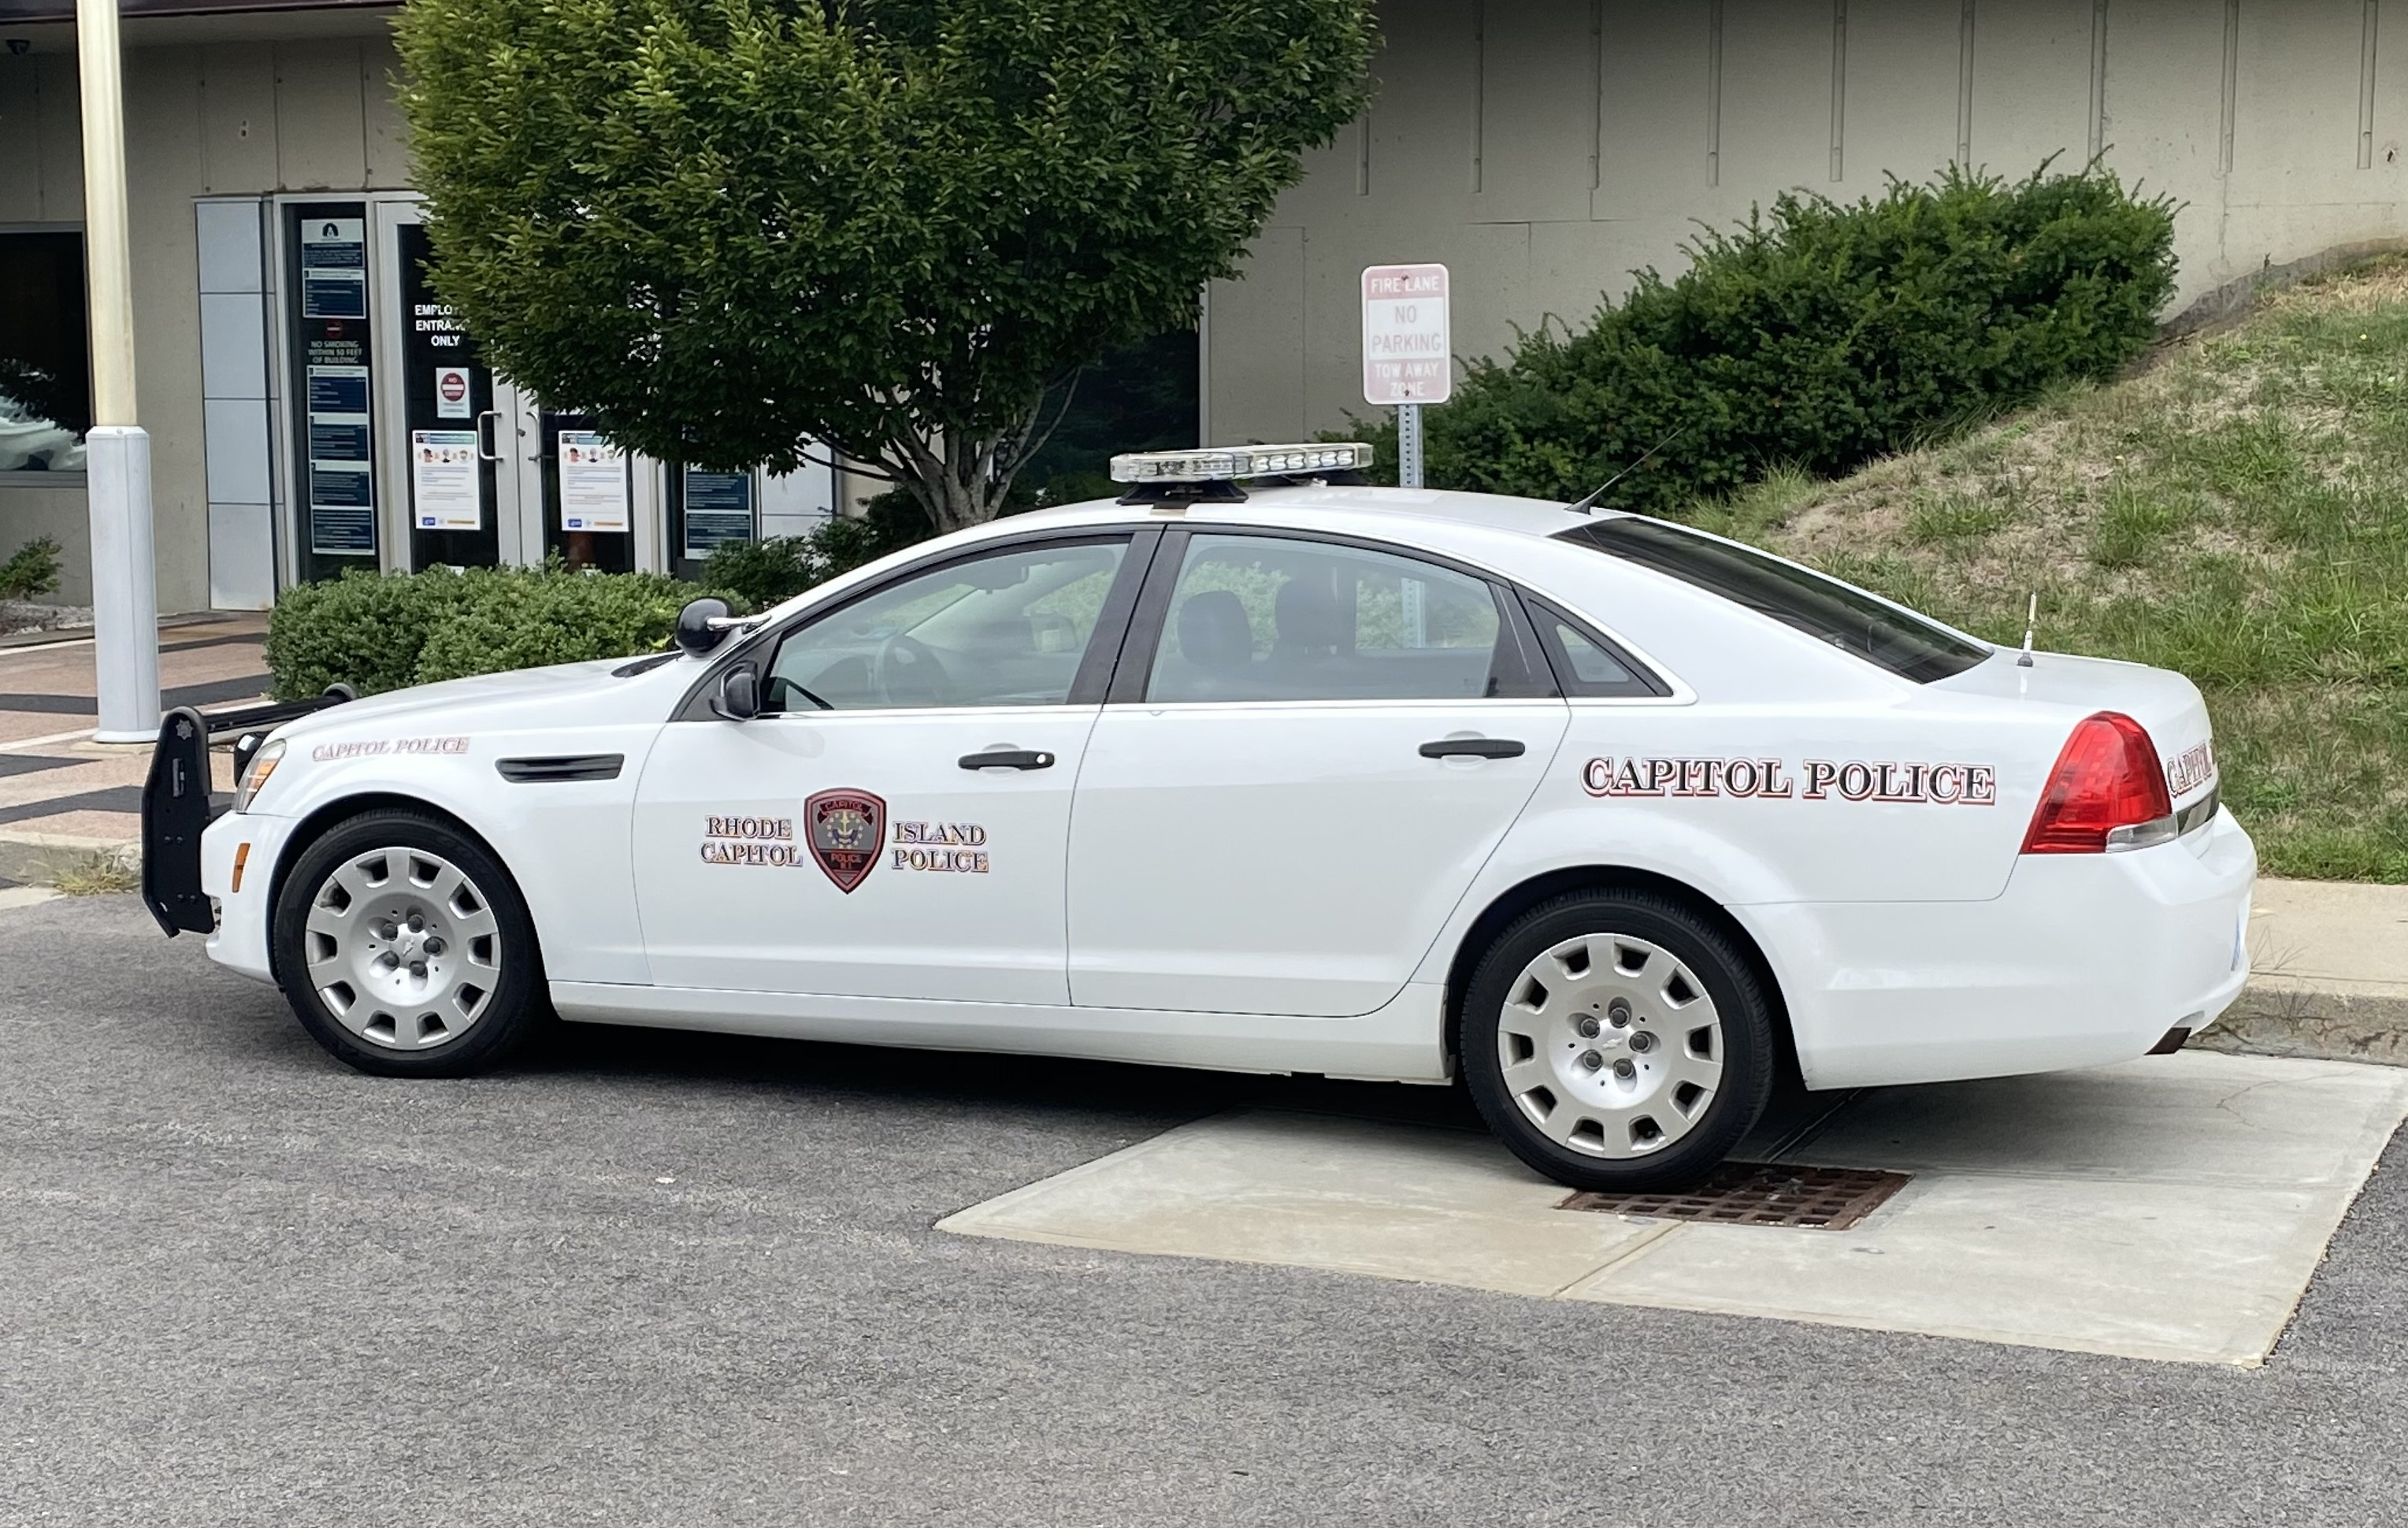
[563, 839]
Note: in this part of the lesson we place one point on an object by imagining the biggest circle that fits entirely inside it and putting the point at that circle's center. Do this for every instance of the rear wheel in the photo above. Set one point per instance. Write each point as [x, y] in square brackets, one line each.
[1616, 1041]
[406, 950]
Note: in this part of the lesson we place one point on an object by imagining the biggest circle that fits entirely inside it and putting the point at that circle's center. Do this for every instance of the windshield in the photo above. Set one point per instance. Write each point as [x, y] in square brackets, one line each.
[1824, 608]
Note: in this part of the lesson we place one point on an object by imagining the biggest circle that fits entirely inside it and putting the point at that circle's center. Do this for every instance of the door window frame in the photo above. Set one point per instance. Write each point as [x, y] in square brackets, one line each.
[1530, 676]
[1106, 642]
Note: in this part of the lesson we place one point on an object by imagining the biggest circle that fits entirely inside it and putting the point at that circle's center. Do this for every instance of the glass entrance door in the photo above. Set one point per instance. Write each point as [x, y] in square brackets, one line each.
[460, 435]
[587, 499]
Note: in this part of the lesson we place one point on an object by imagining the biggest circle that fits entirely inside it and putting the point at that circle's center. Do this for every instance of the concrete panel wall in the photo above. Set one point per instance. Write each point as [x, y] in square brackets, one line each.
[2280, 125]
[233, 117]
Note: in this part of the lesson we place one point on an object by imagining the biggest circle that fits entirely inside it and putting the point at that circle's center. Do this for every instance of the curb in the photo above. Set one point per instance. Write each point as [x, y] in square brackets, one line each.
[2286, 1016]
[33, 858]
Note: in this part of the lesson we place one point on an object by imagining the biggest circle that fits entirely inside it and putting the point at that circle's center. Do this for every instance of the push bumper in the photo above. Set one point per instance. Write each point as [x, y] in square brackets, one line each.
[2084, 960]
[177, 804]
[176, 808]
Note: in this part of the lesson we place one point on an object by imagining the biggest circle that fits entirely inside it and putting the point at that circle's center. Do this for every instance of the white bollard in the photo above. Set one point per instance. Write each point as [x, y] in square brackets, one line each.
[124, 585]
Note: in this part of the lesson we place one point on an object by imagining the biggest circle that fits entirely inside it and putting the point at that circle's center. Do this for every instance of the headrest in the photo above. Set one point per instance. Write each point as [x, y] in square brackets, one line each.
[1310, 619]
[1212, 631]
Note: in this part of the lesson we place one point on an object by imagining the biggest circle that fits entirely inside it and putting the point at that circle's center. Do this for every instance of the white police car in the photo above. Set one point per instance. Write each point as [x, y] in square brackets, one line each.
[1604, 815]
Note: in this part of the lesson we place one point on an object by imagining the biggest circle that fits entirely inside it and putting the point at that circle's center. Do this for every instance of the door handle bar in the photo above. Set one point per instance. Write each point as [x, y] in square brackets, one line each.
[1473, 748]
[496, 453]
[1008, 758]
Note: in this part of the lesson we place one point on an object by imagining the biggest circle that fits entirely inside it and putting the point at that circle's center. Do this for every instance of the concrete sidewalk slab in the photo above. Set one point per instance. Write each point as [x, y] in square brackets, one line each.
[2169, 1208]
[2329, 975]
[63, 796]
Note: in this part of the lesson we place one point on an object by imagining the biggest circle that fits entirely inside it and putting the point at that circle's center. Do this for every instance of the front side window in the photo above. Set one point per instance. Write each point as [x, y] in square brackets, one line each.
[45, 363]
[1847, 618]
[1267, 617]
[1008, 629]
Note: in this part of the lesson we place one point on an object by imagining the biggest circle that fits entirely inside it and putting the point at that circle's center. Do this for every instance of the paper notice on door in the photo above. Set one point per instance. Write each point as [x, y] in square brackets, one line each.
[593, 482]
[333, 268]
[447, 488]
[718, 510]
[342, 492]
[452, 399]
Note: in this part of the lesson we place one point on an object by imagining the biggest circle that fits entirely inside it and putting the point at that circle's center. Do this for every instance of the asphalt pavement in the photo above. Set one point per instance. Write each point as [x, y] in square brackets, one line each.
[657, 1279]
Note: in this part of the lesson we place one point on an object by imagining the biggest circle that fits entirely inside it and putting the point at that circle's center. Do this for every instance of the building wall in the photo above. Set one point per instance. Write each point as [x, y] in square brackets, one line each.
[1543, 149]
[1540, 147]
[218, 118]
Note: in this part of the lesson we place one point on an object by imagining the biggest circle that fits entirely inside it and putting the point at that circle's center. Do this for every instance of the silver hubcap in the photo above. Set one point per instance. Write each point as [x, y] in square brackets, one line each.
[404, 951]
[1610, 1046]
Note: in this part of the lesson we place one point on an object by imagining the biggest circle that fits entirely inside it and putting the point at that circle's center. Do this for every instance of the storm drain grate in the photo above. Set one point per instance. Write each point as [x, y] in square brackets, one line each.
[1757, 1194]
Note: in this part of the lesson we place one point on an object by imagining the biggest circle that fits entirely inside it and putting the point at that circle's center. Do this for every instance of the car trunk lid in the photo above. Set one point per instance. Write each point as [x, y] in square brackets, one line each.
[2165, 702]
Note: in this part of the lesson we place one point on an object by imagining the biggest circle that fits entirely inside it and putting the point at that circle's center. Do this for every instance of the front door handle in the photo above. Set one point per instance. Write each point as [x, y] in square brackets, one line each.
[1473, 748]
[1008, 758]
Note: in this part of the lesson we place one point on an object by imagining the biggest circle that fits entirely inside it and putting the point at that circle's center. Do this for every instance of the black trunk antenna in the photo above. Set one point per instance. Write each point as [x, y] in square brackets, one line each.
[1588, 505]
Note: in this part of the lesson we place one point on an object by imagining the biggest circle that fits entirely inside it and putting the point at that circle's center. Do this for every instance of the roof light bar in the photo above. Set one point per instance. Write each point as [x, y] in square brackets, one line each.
[1226, 464]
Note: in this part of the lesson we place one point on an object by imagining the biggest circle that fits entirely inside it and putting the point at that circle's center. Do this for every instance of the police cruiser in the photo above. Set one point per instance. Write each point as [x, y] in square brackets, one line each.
[1255, 769]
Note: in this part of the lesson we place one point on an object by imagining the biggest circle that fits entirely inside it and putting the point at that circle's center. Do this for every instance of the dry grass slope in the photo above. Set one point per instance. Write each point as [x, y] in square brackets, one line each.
[2237, 510]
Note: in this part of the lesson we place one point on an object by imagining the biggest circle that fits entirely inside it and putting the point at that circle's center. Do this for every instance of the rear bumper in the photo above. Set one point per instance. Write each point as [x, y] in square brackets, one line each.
[2083, 960]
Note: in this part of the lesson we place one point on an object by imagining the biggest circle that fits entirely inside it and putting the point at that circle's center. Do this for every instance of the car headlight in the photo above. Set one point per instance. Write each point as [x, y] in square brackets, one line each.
[262, 763]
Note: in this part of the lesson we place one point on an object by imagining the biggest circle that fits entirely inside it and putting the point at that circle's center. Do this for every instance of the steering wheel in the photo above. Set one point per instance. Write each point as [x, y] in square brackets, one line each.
[906, 672]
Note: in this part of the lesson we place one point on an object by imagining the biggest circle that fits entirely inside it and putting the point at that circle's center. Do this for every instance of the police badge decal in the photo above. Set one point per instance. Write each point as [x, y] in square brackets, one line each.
[846, 831]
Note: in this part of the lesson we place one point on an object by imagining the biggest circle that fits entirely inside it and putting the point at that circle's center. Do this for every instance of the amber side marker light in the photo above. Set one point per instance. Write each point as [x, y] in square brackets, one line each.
[2107, 793]
[241, 858]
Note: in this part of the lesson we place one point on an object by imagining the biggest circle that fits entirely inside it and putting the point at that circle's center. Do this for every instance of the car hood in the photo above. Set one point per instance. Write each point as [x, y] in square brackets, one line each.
[2164, 701]
[566, 694]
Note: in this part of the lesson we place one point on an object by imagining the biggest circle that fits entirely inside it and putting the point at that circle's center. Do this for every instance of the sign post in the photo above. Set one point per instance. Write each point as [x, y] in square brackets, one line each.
[1407, 361]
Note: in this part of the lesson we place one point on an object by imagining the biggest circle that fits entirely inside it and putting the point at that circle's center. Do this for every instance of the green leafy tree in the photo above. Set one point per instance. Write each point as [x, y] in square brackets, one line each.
[728, 228]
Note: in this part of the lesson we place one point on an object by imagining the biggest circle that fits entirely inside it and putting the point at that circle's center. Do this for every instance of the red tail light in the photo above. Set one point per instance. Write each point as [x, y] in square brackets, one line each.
[2107, 792]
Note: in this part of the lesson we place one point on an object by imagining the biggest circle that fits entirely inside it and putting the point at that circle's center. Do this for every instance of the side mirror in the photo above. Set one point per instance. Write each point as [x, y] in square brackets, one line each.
[739, 693]
[701, 625]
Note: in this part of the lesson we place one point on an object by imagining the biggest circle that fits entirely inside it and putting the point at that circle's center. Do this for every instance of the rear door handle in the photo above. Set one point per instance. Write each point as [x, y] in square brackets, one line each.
[1020, 758]
[1473, 748]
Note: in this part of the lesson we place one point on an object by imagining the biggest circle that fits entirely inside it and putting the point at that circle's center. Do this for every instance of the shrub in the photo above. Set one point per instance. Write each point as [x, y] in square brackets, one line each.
[772, 571]
[382, 633]
[766, 572]
[32, 569]
[1818, 335]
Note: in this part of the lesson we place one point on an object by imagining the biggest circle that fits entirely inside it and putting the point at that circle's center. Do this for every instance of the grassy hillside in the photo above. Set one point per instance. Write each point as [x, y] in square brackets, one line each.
[2238, 511]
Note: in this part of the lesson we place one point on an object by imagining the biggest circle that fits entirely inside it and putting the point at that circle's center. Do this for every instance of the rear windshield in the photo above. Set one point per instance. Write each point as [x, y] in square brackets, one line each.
[1847, 618]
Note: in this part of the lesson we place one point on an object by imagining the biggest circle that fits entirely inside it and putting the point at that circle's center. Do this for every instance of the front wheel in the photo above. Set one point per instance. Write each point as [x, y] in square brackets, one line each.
[1616, 1041]
[406, 950]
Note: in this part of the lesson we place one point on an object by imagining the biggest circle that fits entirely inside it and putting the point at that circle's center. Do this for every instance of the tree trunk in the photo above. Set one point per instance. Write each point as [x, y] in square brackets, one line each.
[956, 480]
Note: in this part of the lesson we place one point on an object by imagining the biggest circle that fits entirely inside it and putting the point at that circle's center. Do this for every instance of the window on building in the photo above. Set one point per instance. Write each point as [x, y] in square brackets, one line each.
[45, 357]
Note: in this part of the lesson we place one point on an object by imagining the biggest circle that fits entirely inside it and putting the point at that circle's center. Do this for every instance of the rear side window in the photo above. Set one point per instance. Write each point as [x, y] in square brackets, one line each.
[1585, 663]
[1257, 618]
[1848, 618]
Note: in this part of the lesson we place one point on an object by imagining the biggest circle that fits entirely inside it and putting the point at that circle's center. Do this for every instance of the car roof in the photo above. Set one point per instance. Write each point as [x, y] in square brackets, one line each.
[1435, 507]
[1692, 634]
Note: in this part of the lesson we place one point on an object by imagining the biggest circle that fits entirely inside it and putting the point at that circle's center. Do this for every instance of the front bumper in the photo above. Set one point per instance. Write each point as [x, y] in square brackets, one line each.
[2084, 960]
[246, 911]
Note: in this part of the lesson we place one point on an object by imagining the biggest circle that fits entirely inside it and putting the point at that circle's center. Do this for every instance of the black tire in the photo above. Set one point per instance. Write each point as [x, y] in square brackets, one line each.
[493, 960]
[1617, 1158]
